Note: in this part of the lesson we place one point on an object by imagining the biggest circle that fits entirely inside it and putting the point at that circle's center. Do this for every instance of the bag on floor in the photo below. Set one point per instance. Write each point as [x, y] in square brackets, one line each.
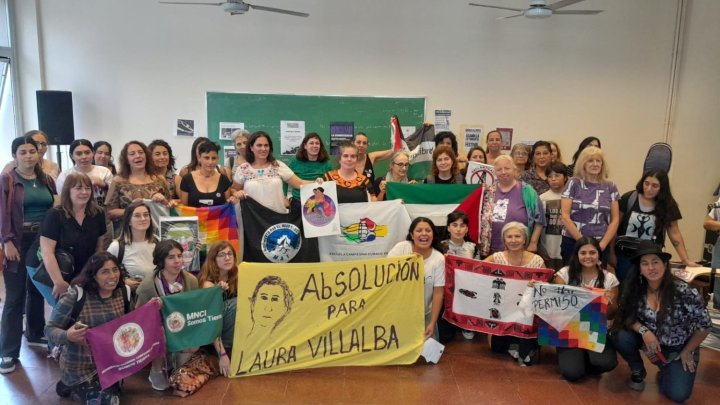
[191, 376]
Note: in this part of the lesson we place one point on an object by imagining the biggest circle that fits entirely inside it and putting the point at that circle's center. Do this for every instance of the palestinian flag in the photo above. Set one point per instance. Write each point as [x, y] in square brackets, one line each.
[419, 145]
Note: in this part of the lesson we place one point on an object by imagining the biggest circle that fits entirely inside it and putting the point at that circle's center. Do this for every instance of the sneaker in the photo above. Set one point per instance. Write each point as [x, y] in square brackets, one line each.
[158, 380]
[39, 342]
[637, 380]
[514, 351]
[7, 365]
[468, 334]
[62, 390]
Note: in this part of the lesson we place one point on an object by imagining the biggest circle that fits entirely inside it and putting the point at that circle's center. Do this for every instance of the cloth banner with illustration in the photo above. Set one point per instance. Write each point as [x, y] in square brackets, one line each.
[193, 318]
[306, 315]
[484, 297]
[569, 316]
[127, 344]
[368, 230]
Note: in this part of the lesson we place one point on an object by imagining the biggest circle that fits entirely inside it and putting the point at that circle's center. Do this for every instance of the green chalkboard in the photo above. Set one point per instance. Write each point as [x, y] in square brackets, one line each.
[370, 115]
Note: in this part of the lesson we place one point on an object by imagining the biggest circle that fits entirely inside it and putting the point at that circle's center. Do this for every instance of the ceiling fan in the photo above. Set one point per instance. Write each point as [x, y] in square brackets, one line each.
[240, 7]
[540, 9]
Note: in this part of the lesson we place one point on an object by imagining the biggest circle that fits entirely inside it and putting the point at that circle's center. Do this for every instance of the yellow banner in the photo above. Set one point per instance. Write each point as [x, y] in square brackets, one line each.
[305, 315]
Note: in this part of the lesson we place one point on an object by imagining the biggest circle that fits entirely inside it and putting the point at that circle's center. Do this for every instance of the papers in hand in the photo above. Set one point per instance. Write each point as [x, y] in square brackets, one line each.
[432, 350]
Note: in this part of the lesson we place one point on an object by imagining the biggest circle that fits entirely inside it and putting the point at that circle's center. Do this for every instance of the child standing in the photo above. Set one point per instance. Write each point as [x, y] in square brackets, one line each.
[552, 234]
[459, 244]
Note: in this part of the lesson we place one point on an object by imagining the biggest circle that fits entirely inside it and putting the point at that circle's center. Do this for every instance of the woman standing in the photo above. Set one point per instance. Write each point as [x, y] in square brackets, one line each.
[585, 270]
[589, 141]
[261, 177]
[555, 152]
[663, 317]
[205, 186]
[164, 161]
[647, 213]
[103, 156]
[366, 161]
[48, 167]
[352, 186]
[26, 193]
[493, 142]
[220, 268]
[168, 278]
[81, 154]
[589, 205]
[399, 165]
[239, 138]
[514, 235]
[311, 161]
[514, 201]
[536, 175]
[445, 168]
[134, 247]
[421, 240]
[76, 226]
[135, 180]
[105, 299]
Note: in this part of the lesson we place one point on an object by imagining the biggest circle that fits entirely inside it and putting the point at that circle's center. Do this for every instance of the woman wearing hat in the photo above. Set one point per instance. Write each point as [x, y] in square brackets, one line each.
[663, 317]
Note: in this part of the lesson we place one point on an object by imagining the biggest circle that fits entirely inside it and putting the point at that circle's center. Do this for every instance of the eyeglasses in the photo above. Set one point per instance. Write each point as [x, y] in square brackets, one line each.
[41, 143]
[223, 255]
[520, 154]
[402, 164]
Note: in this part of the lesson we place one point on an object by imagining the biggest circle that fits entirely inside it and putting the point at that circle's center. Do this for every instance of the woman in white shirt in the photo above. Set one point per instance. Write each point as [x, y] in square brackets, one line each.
[134, 247]
[421, 240]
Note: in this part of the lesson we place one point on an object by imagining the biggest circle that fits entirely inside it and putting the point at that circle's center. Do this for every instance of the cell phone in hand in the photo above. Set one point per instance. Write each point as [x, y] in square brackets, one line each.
[80, 325]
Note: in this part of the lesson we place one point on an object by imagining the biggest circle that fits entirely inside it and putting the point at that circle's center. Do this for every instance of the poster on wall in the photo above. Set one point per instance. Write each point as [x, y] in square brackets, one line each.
[227, 129]
[506, 134]
[340, 132]
[184, 127]
[442, 120]
[472, 137]
[320, 209]
[291, 136]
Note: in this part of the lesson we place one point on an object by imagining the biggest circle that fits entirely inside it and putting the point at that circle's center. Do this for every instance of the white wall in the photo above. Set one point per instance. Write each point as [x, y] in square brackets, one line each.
[135, 66]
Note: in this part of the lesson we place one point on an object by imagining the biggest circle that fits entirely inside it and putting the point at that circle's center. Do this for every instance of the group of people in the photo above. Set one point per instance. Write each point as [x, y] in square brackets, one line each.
[81, 226]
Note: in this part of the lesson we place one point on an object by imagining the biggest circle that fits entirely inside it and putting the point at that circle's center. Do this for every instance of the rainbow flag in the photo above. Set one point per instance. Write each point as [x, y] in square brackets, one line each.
[587, 329]
[214, 224]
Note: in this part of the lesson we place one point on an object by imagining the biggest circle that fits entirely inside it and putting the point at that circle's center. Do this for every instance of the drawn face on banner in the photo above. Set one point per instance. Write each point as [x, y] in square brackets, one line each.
[270, 303]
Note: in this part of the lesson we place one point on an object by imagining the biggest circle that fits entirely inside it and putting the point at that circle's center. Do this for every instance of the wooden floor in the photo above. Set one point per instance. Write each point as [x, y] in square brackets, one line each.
[467, 374]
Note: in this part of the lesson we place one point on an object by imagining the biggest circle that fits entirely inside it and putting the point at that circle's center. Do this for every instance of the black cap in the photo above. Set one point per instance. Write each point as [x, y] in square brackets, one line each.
[648, 247]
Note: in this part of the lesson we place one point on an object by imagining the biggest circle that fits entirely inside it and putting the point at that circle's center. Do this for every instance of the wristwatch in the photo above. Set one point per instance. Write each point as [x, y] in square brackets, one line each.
[642, 330]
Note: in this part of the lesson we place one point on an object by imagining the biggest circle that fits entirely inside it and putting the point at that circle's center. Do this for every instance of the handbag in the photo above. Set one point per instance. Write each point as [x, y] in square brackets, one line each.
[66, 263]
[191, 376]
[627, 245]
[3, 260]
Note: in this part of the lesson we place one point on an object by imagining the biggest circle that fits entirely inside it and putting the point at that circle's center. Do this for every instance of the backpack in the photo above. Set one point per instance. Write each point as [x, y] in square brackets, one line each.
[81, 297]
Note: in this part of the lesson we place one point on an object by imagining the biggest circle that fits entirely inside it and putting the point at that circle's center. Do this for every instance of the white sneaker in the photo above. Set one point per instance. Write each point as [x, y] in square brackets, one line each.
[7, 365]
[468, 334]
[158, 380]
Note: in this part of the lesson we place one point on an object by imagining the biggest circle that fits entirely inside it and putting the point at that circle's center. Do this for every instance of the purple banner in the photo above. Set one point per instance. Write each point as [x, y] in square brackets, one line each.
[125, 345]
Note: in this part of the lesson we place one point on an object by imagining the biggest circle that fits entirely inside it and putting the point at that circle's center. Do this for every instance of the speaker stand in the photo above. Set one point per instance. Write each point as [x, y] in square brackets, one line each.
[59, 157]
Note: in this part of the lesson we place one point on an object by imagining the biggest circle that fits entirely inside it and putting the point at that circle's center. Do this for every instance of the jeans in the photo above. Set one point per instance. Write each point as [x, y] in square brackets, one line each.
[21, 296]
[675, 382]
[623, 268]
[576, 363]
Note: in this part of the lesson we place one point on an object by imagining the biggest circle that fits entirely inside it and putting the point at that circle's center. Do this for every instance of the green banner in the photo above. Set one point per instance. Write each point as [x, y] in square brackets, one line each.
[192, 318]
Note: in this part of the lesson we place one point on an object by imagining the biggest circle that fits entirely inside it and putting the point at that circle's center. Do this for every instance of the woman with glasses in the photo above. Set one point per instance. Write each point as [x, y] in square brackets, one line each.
[136, 243]
[48, 167]
[399, 165]
[520, 155]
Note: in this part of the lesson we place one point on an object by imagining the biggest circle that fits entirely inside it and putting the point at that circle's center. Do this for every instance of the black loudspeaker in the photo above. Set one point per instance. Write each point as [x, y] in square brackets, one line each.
[55, 116]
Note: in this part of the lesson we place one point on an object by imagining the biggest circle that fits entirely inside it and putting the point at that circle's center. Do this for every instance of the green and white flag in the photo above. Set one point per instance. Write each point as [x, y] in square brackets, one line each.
[433, 201]
[192, 318]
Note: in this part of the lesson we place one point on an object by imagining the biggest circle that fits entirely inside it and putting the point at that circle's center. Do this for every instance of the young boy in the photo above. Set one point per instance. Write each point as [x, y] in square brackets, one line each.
[552, 234]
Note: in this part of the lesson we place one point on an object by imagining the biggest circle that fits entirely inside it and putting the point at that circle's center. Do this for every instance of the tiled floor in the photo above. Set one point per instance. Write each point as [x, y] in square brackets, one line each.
[467, 374]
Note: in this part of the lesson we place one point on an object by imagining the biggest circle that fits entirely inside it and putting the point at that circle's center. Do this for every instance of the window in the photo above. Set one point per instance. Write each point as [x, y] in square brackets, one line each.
[8, 112]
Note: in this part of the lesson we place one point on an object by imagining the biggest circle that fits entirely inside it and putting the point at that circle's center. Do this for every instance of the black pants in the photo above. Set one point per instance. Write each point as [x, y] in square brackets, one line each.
[576, 363]
[501, 344]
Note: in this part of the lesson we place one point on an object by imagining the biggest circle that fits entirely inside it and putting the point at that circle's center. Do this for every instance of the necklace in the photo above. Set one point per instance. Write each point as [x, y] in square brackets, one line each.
[32, 177]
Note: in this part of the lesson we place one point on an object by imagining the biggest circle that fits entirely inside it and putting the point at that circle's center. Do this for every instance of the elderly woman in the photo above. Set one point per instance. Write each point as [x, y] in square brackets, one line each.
[663, 317]
[105, 298]
[399, 165]
[48, 167]
[537, 174]
[239, 138]
[584, 270]
[445, 169]
[168, 278]
[521, 156]
[352, 186]
[589, 204]
[514, 201]
[589, 141]
[648, 212]
[514, 235]
[261, 177]
[26, 194]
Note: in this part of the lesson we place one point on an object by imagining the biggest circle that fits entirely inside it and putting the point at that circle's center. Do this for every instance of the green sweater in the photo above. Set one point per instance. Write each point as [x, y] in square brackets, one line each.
[308, 170]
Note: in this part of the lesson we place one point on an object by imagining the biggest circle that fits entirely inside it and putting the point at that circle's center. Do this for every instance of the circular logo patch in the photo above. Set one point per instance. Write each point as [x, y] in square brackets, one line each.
[175, 322]
[281, 242]
[319, 213]
[128, 339]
